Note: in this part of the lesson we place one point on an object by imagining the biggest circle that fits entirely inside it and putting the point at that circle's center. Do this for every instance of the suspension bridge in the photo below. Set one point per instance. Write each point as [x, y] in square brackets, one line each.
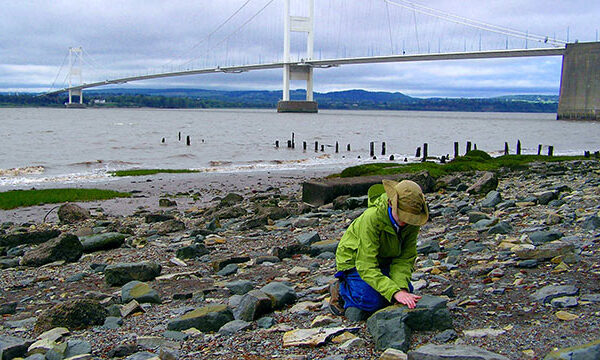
[580, 78]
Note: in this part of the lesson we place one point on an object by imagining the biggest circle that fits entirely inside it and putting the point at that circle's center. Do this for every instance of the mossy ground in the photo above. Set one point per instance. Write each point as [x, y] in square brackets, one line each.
[18, 198]
[144, 172]
[476, 160]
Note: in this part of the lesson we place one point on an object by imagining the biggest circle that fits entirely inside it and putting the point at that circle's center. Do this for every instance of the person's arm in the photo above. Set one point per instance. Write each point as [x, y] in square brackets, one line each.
[402, 267]
[367, 264]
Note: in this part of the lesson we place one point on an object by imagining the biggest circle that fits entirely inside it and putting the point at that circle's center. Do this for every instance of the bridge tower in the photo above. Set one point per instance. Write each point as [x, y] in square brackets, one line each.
[298, 71]
[75, 73]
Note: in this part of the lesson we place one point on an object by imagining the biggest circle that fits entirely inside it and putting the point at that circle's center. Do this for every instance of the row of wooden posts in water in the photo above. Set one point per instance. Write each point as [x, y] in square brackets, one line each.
[291, 144]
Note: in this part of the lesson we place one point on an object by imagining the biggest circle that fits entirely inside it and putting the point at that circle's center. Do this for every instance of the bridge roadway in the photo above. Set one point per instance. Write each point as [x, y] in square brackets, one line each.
[331, 63]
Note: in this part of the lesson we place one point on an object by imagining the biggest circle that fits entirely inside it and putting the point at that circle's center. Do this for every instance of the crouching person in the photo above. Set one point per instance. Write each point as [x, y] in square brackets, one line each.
[376, 255]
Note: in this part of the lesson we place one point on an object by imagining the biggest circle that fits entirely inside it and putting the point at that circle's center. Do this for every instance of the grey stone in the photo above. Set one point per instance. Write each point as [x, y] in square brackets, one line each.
[192, 251]
[501, 228]
[231, 199]
[388, 329]
[446, 336]
[234, 326]
[281, 294]
[290, 250]
[542, 237]
[263, 259]
[121, 274]
[355, 314]
[556, 203]
[430, 313]
[219, 264]
[170, 226]
[24, 323]
[175, 335]
[589, 351]
[139, 291]
[327, 255]
[547, 196]
[546, 251]
[8, 308]
[65, 247]
[122, 350]
[303, 222]
[265, 322]
[253, 305]
[12, 347]
[452, 352]
[547, 293]
[73, 314]
[112, 322]
[77, 347]
[142, 355]
[323, 246]
[475, 216]
[37, 357]
[484, 224]
[7, 263]
[105, 241]
[591, 223]
[229, 269]
[506, 205]
[207, 319]
[564, 302]
[71, 213]
[595, 298]
[428, 246]
[474, 247]
[157, 217]
[308, 238]
[527, 264]
[240, 287]
[486, 183]
[30, 237]
[492, 199]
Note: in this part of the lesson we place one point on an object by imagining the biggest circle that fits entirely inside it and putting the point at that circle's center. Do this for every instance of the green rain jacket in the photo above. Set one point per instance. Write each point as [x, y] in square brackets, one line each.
[371, 242]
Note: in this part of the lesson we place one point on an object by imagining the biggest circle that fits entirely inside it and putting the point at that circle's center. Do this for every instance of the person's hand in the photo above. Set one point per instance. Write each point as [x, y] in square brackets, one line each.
[406, 298]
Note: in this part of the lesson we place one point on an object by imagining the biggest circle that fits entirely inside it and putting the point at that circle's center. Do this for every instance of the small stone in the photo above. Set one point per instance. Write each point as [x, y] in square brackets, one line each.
[240, 287]
[265, 322]
[131, 308]
[453, 352]
[566, 316]
[547, 293]
[564, 302]
[542, 237]
[355, 343]
[234, 326]
[355, 314]
[446, 336]
[393, 354]
[112, 322]
[71, 213]
[479, 333]
[310, 337]
[322, 320]
[139, 291]
[228, 270]
[492, 199]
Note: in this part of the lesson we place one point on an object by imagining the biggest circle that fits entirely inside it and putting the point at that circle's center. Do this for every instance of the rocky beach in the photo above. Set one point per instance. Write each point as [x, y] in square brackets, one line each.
[237, 266]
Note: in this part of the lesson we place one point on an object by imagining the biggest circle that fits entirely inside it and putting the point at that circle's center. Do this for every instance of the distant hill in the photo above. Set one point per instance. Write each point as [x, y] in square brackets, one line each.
[348, 99]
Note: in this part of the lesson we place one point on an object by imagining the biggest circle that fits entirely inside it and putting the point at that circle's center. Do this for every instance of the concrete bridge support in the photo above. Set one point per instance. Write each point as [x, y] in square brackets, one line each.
[580, 83]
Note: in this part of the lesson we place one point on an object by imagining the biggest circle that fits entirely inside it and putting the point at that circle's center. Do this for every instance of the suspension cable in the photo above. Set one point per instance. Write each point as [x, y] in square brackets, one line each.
[58, 73]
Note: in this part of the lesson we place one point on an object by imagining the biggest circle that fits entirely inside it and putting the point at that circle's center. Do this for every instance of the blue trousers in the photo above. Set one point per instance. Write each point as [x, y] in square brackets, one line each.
[357, 293]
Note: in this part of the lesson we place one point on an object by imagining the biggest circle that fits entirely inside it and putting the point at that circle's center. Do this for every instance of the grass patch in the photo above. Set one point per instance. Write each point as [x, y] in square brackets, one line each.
[474, 161]
[18, 198]
[144, 172]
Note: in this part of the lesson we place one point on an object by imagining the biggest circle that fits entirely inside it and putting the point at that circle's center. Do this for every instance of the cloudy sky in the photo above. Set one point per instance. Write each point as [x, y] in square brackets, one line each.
[132, 37]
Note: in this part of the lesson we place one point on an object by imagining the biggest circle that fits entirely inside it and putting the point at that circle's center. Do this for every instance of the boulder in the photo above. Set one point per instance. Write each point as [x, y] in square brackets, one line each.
[486, 183]
[231, 199]
[157, 217]
[240, 287]
[547, 293]
[72, 213]
[323, 246]
[452, 352]
[581, 352]
[31, 237]
[546, 251]
[281, 294]
[140, 292]
[192, 251]
[106, 241]
[65, 247]
[13, 347]
[74, 315]
[253, 305]
[542, 237]
[121, 274]
[492, 199]
[206, 319]
[388, 328]
[170, 226]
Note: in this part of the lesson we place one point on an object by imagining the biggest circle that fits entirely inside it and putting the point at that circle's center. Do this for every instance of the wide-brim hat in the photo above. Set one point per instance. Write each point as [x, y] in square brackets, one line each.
[407, 198]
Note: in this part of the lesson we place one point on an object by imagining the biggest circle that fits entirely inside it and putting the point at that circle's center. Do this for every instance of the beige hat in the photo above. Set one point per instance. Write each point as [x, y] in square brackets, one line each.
[407, 198]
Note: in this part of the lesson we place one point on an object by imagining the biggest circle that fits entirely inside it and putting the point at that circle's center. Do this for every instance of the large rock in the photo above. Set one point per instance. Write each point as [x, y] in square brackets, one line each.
[289, 250]
[486, 183]
[589, 351]
[72, 213]
[219, 264]
[191, 252]
[240, 287]
[452, 352]
[591, 223]
[546, 251]
[65, 247]
[253, 305]
[430, 313]
[492, 199]
[74, 315]
[121, 274]
[139, 291]
[104, 241]
[547, 293]
[170, 226]
[32, 237]
[281, 294]
[231, 199]
[207, 319]
[542, 237]
[12, 347]
[323, 246]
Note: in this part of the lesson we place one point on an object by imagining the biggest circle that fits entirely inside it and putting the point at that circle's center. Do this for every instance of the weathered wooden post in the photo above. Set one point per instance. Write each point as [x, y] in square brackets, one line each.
[337, 147]
[518, 147]
[322, 148]
[424, 152]
[586, 154]
[455, 149]
[474, 146]
[505, 148]
[293, 142]
[383, 148]
[316, 146]
[372, 149]
[550, 150]
[277, 144]
[304, 146]
[180, 136]
[468, 147]
[289, 144]
[187, 140]
[348, 147]
[418, 153]
[540, 149]
[392, 157]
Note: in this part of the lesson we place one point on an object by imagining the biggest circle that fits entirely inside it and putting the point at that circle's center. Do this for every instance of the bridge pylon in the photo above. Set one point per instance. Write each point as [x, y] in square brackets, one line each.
[75, 73]
[298, 71]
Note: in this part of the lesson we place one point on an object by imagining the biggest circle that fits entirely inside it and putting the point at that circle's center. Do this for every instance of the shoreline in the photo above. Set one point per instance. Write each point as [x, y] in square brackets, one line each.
[147, 190]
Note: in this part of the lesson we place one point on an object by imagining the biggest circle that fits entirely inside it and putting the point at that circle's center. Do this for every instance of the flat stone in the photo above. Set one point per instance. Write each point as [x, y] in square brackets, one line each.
[311, 337]
[542, 237]
[546, 251]
[492, 199]
[106, 241]
[229, 269]
[356, 343]
[446, 336]
[323, 246]
[501, 228]
[564, 302]
[547, 293]
[234, 326]
[12, 347]
[54, 334]
[486, 332]
[207, 319]
[121, 274]
[131, 307]
[595, 298]
[66, 247]
[452, 352]
[589, 351]
[265, 322]
[112, 322]
[240, 287]
[393, 354]
[142, 355]
[192, 251]
[484, 224]
[308, 238]
[253, 305]
[545, 197]
[140, 292]
[475, 216]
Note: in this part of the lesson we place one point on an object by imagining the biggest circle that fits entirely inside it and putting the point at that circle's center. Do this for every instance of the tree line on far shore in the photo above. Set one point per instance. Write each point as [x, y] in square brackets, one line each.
[350, 100]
